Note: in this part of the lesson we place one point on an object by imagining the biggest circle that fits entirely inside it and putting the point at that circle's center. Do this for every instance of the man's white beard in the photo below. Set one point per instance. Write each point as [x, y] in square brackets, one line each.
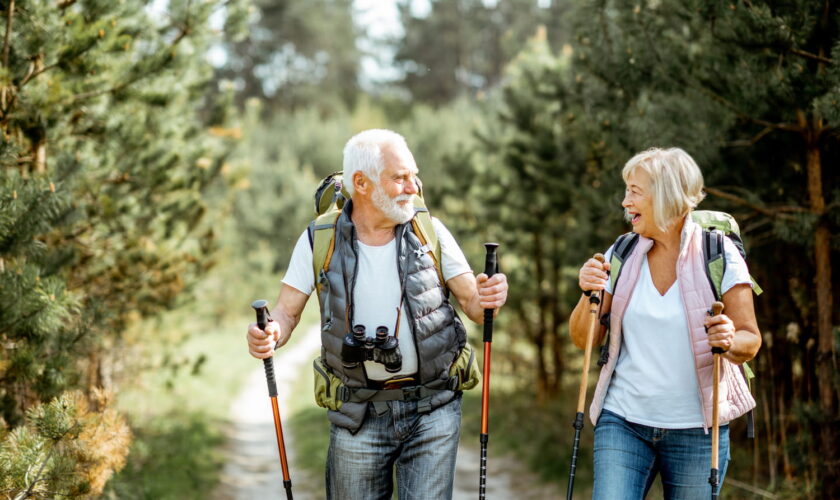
[391, 207]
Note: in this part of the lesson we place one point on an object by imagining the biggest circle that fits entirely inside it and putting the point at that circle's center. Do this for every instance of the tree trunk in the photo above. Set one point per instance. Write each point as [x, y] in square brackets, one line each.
[825, 334]
[39, 134]
[540, 334]
[557, 316]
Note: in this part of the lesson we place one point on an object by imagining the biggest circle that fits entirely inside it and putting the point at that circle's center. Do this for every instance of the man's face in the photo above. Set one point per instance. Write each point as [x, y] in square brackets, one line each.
[397, 184]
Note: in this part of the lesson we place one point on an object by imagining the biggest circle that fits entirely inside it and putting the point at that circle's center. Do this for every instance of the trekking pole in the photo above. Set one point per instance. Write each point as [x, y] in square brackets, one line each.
[716, 309]
[260, 306]
[594, 303]
[490, 268]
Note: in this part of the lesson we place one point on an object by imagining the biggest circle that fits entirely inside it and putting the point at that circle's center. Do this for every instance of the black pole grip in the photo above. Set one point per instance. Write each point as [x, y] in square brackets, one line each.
[261, 308]
[573, 466]
[490, 265]
[713, 480]
[490, 268]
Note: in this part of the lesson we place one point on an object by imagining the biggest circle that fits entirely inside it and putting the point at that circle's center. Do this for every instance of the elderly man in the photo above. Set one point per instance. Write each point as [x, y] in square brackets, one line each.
[381, 273]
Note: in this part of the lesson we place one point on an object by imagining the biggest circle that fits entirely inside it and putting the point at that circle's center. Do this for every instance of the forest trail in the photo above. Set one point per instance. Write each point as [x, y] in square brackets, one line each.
[252, 467]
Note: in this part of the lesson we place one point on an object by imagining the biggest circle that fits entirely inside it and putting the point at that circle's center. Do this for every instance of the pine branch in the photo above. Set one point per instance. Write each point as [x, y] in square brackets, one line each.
[809, 55]
[185, 30]
[788, 127]
[28, 493]
[750, 142]
[35, 72]
[779, 212]
[115, 88]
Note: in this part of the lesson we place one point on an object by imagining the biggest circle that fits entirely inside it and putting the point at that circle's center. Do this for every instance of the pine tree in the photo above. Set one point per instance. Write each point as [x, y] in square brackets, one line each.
[461, 47]
[297, 53]
[105, 167]
[752, 90]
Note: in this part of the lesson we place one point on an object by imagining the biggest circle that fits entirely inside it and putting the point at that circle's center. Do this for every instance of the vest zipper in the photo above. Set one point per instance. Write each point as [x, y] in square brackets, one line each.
[693, 350]
[354, 245]
[410, 318]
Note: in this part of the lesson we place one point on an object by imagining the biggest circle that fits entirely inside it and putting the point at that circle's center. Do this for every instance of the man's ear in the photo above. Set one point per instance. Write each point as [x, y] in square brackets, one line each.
[361, 184]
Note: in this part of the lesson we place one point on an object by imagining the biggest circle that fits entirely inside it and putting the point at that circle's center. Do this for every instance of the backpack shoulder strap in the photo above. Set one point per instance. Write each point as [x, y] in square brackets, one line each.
[715, 260]
[622, 248]
[322, 239]
[424, 229]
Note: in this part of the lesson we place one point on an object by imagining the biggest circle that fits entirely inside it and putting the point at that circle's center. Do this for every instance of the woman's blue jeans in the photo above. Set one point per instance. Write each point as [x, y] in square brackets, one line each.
[628, 456]
[421, 446]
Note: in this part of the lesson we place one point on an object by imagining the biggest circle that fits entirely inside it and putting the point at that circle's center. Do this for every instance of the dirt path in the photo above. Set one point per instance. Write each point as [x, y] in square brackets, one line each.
[253, 467]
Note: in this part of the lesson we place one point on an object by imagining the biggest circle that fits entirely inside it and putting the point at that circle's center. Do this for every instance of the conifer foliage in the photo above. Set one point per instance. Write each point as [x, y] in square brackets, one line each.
[751, 89]
[105, 172]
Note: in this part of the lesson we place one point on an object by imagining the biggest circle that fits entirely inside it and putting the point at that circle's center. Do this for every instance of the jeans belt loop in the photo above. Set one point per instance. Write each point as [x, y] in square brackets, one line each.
[424, 405]
[380, 407]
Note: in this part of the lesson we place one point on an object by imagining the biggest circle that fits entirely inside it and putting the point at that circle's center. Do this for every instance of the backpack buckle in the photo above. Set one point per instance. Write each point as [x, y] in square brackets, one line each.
[412, 393]
[343, 393]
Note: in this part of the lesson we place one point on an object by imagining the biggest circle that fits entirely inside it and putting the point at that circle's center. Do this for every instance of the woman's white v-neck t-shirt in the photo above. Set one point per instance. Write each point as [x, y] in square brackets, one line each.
[655, 383]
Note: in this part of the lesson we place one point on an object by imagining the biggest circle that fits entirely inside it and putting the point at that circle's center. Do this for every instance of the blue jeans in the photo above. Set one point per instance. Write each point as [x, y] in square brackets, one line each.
[628, 456]
[422, 446]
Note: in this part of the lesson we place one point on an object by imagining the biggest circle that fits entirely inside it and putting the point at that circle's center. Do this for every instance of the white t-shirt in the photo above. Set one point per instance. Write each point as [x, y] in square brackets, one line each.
[376, 295]
[655, 382]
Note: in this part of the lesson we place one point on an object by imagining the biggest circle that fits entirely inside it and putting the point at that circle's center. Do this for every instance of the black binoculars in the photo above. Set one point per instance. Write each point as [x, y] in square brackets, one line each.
[358, 348]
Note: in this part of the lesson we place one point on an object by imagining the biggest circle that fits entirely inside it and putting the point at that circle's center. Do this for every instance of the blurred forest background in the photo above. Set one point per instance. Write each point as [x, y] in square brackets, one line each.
[157, 162]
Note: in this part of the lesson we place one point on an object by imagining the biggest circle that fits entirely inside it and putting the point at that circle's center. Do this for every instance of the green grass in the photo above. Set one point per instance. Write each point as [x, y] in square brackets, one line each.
[178, 412]
[176, 456]
[311, 432]
[184, 372]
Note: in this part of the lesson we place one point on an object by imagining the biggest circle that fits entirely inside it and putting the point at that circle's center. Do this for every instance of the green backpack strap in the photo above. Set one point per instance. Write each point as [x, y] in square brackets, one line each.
[715, 260]
[424, 229]
[716, 225]
[622, 248]
[322, 239]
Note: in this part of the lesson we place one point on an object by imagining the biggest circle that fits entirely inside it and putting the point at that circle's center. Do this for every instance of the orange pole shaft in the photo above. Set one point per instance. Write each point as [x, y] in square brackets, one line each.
[278, 430]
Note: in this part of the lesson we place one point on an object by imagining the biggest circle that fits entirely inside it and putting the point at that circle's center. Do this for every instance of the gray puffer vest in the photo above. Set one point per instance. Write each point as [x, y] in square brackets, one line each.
[439, 334]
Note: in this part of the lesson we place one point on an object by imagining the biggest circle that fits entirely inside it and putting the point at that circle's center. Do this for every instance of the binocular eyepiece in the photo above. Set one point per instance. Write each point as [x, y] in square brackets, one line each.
[383, 348]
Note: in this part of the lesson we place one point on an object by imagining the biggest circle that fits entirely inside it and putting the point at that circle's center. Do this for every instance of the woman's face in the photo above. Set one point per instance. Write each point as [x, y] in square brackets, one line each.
[638, 203]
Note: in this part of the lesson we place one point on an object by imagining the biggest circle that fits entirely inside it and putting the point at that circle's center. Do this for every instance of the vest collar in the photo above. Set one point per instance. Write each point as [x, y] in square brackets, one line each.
[689, 229]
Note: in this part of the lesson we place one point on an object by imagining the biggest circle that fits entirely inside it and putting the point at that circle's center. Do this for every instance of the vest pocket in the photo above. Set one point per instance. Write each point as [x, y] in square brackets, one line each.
[327, 386]
[464, 373]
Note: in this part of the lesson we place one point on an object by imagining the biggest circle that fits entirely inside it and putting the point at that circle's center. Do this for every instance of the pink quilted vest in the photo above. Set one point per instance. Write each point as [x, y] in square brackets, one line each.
[734, 395]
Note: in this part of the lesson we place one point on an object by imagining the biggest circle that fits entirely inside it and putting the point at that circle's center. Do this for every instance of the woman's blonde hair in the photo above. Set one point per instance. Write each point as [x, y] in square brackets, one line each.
[676, 182]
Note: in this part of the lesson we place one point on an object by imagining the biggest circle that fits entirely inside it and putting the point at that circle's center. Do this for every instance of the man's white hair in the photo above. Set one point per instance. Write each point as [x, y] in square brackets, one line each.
[676, 182]
[363, 152]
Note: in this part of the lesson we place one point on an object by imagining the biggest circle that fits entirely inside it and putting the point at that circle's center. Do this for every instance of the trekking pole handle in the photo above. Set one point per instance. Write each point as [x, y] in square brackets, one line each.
[717, 308]
[595, 298]
[491, 266]
[261, 308]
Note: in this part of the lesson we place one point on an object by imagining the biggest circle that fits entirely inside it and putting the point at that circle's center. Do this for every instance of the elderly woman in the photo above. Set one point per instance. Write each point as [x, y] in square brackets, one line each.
[652, 407]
